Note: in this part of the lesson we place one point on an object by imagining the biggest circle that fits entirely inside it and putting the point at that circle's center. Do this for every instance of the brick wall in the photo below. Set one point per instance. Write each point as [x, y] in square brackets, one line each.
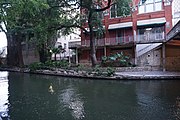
[172, 58]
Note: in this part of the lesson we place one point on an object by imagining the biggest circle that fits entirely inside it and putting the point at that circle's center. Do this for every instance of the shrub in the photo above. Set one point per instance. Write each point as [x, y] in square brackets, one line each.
[98, 71]
[48, 65]
[36, 66]
[110, 71]
[61, 64]
[116, 60]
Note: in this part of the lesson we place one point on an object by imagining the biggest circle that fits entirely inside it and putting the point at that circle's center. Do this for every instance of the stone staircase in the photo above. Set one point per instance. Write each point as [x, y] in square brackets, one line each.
[144, 48]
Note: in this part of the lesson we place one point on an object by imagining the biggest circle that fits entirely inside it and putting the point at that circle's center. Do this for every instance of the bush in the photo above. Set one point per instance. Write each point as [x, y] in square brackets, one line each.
[61, 64]
[98, 71]
[48, 65]
[116, 60]
[36, 66]
[110, 71]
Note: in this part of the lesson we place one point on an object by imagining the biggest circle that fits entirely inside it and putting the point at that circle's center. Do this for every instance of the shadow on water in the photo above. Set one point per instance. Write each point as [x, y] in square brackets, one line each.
[41, 97]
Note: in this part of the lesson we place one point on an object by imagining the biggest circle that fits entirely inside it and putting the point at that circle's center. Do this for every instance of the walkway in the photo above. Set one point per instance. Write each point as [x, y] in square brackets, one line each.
[149, 75]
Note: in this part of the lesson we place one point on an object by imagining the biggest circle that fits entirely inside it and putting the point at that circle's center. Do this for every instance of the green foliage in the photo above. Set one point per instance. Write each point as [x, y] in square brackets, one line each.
[31, 20]
[58, 64]
[123, 8]
[36, 66]
[110, 71]
[118, 59]
[61, 64]
[81, 67]
[98, 71]
[48, 65]
[55, 50]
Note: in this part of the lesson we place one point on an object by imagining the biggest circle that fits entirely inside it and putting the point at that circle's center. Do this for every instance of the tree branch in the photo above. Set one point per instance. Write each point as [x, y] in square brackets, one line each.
[59, 27]
[102, 9]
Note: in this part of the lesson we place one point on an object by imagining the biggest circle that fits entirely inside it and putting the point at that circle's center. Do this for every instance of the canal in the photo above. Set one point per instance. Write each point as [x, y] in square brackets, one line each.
[41, 97]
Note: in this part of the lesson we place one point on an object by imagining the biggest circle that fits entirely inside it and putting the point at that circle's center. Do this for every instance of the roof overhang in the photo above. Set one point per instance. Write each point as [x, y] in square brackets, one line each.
[120, 25]
[174, 33]
[173, 37]
[151, 21]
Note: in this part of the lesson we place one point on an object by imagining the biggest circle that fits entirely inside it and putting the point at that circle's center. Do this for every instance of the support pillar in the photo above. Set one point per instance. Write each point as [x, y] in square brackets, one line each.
[105, 54]
[164, 57]
[69, 58]
[76, 56]
[135, 54]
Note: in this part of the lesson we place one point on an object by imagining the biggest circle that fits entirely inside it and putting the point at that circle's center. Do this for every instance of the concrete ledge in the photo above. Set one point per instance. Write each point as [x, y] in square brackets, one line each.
[144, 75]
[135, 69]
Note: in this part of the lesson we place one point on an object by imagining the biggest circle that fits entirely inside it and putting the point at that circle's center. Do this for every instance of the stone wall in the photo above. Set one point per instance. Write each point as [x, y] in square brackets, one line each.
[30, 56]
[151, 58]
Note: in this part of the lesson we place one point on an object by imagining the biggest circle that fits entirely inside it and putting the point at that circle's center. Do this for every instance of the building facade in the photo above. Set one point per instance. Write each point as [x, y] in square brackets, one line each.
[67, 42]
[175, 11]
[139, 35]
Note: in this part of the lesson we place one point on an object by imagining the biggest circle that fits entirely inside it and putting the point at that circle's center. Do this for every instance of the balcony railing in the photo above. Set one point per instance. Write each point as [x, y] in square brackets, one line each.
[74, 44]
[109, 41]
[150, 38]
[119, 40]
[98, 42]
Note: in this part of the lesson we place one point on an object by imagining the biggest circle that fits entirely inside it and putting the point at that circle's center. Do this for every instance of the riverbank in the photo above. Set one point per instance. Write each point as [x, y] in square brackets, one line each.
[139, 75]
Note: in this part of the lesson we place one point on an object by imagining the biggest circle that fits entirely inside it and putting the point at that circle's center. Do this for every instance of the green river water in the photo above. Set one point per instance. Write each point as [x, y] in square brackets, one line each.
[41, 97]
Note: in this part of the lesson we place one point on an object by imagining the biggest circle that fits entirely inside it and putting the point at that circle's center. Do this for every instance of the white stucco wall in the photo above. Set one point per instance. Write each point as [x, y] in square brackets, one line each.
[62, 40]
[175, 11]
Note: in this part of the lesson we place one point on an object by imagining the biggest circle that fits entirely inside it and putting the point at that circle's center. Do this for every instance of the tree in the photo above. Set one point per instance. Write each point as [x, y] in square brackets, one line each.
[93, 13]
[39, 20]
[26, 20]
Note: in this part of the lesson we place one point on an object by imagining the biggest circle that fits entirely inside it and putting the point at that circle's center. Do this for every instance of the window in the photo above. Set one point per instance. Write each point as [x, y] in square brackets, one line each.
[146, 6]
[119, 36]
[151, 33]
[113, 11]
[118, 11]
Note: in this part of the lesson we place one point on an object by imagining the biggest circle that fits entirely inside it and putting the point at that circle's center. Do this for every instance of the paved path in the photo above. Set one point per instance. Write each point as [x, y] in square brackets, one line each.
[149, 75]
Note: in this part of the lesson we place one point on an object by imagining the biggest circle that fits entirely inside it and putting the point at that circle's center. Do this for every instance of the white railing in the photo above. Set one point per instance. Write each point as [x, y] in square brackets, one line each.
[120, 40]
[151, 37]
[98, 42]
[74, 44]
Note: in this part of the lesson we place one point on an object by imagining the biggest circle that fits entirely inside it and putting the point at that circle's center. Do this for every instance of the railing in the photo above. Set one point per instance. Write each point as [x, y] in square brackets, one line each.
[150, 38]
[74, 44]
[119, 40]
[98, 42]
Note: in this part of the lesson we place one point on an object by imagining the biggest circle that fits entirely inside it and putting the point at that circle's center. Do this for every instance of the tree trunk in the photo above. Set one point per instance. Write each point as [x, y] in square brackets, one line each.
[42, 54]
[92, 42]
[14, 50]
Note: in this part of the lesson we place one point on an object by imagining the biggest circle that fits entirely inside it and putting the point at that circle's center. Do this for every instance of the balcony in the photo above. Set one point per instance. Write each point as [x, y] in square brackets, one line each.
[98, 42]
[151, 38]
[74, 44]
[119, 40]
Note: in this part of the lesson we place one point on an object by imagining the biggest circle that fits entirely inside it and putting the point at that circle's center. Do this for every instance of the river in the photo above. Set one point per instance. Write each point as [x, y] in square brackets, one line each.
[42, 97]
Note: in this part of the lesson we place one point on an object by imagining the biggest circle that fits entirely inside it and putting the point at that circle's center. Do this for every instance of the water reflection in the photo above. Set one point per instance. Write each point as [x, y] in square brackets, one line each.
[72, 101]
[4, 94]
[28, 97]
[177, 108]
[51, 90]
